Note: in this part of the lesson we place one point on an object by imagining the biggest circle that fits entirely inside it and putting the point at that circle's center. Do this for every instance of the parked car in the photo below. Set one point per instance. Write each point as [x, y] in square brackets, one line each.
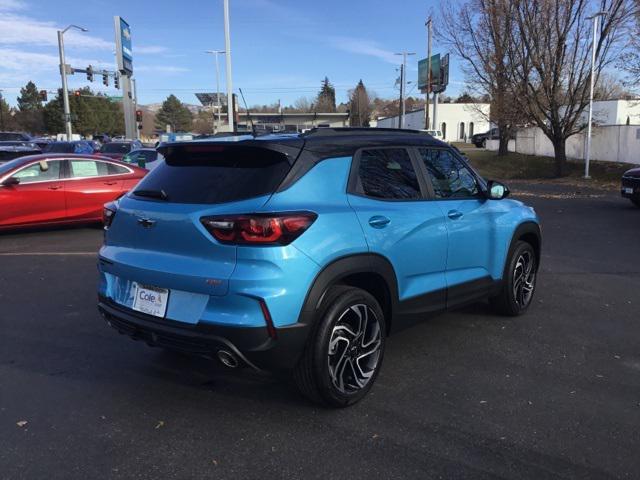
[437, 134]
[302, 253]
[14, 136]
[52, 189]
[480, 139]
[42, 142]
[148, 158]
[631, 186]
[119, 149]
[17, 148]
[78, 146]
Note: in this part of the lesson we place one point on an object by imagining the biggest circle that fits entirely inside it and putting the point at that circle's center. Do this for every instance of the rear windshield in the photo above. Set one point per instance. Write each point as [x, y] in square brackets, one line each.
[207, 175]
[115, 148]
[60, 148]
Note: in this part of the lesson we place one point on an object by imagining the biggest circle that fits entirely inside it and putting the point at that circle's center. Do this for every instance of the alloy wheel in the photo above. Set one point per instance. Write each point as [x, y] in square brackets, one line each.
[354, 349]
[524, 279]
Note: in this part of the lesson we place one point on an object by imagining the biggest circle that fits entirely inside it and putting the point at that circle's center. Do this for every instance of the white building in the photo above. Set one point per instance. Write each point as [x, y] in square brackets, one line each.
[457, 121]
[615, 112]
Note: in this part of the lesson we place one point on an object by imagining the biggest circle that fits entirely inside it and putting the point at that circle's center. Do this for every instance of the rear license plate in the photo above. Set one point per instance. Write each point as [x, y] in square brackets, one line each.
[628, 190]
[150, 300]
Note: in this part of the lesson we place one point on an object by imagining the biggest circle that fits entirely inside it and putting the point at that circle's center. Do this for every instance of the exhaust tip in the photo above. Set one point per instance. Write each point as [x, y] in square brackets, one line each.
[227, 358]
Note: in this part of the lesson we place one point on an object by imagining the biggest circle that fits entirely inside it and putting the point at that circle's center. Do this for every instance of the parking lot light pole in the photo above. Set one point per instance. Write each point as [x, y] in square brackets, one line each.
[63, 74]
[216, 53]
[587, 155]
[227, 47]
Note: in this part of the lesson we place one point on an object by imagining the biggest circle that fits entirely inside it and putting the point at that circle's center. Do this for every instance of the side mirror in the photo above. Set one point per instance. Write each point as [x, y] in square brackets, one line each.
[141, 162]
[11, 181]
[496, 190]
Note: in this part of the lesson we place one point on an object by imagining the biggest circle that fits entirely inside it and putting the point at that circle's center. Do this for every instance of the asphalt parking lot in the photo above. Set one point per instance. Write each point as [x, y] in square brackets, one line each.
[552, 394]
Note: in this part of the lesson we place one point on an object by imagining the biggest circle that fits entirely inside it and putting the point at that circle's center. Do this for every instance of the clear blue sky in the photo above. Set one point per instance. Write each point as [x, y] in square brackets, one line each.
[282, 49]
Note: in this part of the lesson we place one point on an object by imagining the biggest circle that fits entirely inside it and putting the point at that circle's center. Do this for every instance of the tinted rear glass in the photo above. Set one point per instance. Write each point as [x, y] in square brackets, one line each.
[60, 148]
[116, 148]
[205, 174]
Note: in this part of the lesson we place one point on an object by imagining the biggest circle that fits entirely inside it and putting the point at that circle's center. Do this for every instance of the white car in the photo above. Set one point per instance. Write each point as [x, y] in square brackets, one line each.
[437, 134]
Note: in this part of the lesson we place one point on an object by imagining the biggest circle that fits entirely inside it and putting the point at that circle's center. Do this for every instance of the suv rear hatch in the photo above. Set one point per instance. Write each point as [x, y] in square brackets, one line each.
[157, 237]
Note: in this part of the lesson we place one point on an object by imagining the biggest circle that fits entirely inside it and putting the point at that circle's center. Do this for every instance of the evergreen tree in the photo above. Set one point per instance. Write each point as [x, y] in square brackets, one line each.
[90, 114]
[326, 100]
[29, 99]
[359, 106]
[174, 113]
[7, 122]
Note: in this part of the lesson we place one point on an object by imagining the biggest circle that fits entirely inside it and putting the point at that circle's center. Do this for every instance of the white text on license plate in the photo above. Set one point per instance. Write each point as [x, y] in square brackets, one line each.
[628, 190]
[150, 300]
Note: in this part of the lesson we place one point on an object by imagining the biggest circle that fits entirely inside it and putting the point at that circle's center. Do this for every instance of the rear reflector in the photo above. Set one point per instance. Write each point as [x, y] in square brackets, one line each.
[259, 229]
[108, 212]
[271, 329]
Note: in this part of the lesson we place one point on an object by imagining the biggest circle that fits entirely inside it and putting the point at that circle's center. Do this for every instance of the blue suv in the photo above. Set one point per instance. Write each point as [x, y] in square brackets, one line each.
[302, 253]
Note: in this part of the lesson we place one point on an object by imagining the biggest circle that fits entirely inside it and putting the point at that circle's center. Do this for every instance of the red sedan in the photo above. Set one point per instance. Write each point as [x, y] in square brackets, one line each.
[61, 189]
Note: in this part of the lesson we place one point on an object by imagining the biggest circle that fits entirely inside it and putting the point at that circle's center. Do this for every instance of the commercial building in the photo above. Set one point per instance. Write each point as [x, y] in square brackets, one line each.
[291, 122]
[457, 121]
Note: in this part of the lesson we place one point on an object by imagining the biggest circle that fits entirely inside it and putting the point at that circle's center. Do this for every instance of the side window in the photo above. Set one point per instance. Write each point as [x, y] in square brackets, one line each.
[88, 168]
[449, 176]
[388, 173]
[34, 173]
[114, 169]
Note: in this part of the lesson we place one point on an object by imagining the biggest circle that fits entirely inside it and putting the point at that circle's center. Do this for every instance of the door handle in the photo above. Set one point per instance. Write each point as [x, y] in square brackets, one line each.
[55, 187]
[378, 221]
[110, 183]
[454, 214]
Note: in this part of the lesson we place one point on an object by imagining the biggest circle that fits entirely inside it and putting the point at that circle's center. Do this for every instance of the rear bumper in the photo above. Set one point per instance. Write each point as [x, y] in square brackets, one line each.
[251, 345]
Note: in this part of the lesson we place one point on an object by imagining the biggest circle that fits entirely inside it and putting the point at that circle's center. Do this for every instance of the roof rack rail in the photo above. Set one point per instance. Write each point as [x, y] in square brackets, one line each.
[333, 131]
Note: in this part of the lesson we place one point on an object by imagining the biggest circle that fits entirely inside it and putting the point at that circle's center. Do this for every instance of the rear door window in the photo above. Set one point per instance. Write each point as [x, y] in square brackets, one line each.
[205, 174]
[388, 174]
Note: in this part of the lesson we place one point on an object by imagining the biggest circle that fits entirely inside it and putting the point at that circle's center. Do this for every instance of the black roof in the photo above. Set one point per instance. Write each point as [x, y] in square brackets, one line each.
[319, 142]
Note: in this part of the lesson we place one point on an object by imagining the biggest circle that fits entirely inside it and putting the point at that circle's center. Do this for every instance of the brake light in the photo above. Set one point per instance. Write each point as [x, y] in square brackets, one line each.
[108, 212]
[259, 229]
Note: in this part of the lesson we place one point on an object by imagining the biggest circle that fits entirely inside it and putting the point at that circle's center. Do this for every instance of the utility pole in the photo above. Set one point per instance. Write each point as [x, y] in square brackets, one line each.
[63, 74]
[216, 53]
[403, 85]
[227, 47]
[427, 124]
[595, 17]
[401, 102]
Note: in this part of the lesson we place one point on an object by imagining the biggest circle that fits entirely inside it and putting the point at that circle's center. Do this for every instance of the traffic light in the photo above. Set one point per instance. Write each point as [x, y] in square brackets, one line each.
[105, 79]
[77, 93]
[116, 80]
[138, 115]
[90, 73]
[43, 95]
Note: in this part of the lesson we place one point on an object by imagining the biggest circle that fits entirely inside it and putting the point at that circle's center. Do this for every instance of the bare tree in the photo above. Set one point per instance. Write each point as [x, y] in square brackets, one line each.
[630, 58]
[479, 32]
[303, 105]
[550, 51]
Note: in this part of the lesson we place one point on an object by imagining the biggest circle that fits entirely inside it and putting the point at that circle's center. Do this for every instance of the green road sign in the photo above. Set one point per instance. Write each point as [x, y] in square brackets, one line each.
[114, 99]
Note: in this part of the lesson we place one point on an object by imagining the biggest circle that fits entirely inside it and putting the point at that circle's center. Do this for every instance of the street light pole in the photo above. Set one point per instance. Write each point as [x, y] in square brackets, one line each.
[427, 124]
[216, 53]
[587, 155]
[227, 47]
[403, 87]
[63, 74]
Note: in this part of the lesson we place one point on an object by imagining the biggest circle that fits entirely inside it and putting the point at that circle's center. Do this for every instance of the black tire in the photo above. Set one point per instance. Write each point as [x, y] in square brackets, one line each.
[484, 143]
[341, 307]
[515, 299]
[635, 201]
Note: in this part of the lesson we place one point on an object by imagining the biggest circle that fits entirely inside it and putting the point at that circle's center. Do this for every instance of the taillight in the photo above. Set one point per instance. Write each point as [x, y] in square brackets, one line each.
[259, 229]
[108, 213]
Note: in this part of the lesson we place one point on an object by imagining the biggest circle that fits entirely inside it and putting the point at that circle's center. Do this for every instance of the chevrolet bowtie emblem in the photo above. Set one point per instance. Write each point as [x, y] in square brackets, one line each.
[146, 222]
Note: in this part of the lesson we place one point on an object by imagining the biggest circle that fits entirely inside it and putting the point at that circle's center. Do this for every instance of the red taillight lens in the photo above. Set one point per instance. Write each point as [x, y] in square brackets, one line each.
[108, 212]
[259, 229]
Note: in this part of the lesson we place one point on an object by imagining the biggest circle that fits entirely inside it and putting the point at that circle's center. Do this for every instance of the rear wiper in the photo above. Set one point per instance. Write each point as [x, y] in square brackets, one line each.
[159, 194]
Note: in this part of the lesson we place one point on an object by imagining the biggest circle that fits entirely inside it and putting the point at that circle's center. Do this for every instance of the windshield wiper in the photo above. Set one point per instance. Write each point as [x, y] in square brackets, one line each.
[159, 194]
